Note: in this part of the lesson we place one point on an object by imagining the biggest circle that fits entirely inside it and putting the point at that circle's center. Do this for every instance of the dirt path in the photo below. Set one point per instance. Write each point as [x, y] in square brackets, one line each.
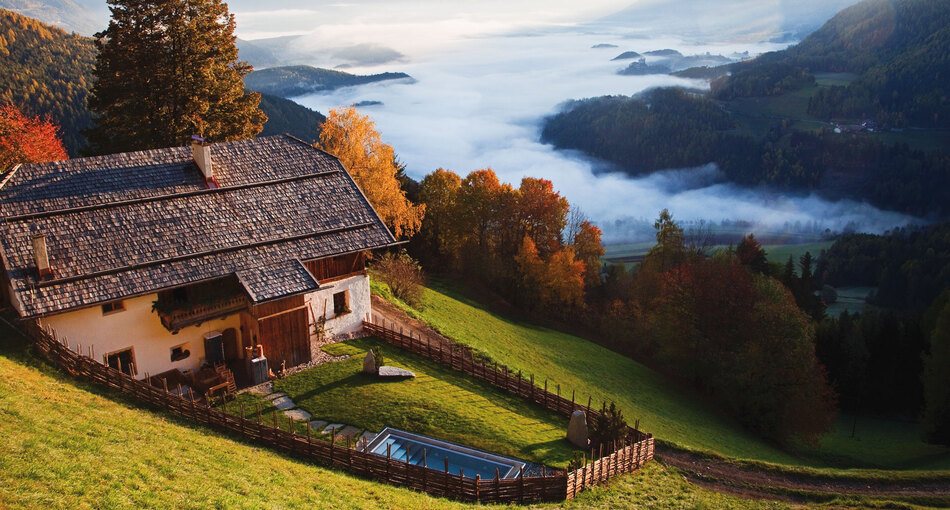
[724, 476]
[758, 482]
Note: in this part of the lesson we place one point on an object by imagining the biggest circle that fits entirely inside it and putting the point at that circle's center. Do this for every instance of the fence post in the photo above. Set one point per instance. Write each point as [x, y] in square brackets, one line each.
[478, 482]
[332, 444]
[425, 465]
[521, 485]
[389, 459]
[310, 438]
[446, 459]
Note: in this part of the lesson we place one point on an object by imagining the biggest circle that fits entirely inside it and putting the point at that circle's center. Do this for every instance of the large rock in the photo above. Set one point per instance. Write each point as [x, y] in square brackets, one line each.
[577, 430]
[369, 363]
[386, 371]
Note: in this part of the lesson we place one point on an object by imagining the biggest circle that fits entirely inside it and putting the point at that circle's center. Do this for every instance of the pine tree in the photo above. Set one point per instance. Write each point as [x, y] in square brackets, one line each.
[167, 69]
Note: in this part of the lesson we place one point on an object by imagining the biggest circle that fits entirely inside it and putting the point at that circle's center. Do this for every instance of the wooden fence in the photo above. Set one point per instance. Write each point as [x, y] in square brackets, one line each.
[438, 482]
[607, 462]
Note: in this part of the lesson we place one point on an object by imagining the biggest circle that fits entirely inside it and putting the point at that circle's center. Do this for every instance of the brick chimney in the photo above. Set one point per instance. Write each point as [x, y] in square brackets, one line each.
[41, 257]
[201, 153]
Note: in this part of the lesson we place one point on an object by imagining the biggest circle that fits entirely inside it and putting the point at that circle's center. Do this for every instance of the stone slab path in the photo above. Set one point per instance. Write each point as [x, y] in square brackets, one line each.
[342, 431]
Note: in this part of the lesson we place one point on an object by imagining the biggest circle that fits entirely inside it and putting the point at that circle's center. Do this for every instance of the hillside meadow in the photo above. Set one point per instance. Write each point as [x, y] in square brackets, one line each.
[673, 415]
[67, 444]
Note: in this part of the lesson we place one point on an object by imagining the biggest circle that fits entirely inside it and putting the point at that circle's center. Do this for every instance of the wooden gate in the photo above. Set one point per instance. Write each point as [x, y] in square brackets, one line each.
[284, 331]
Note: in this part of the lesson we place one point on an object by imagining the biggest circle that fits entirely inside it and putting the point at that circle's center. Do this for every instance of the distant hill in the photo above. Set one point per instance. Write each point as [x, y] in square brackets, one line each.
[45, 71]
[85, 17]
[819, 116]
[286, 116]
[627, 55]
[257, 55]
[900, 52]
[290, 81]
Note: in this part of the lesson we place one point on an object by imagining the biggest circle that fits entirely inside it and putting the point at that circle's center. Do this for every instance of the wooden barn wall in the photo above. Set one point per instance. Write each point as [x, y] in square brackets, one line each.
[335, 267]
[284, 331]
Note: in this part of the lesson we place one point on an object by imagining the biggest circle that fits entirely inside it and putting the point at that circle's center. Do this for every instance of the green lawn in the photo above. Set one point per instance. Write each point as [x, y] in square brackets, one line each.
[67, 444]
[670, 414]
[776, 252]
[852, 299]
[438, 402]
[780, 252]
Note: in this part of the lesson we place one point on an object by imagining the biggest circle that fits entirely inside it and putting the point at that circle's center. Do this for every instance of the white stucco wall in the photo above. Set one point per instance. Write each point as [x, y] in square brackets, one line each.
[360, 303]
[140, 328]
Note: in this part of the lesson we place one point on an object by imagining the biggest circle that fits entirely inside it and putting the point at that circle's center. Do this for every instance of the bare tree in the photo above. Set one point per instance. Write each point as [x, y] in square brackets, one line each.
[575, 217]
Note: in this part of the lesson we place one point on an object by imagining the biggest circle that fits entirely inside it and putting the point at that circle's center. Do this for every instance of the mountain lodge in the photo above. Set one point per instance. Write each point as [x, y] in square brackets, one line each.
[185, 260]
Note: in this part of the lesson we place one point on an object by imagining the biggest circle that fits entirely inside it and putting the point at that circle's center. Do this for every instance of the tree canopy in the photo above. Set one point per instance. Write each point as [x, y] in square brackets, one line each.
[353, 139]
[45, 71]
[167, 70]
[25, 139]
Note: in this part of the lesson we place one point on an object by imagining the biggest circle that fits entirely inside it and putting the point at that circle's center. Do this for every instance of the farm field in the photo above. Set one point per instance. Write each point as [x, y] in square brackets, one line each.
[672, 415]
[631, 253]
[852, 299]
[756, 114]
[71, 445]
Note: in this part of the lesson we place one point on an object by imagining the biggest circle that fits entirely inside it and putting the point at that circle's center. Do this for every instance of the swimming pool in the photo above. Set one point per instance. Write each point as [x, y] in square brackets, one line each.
[462, 459]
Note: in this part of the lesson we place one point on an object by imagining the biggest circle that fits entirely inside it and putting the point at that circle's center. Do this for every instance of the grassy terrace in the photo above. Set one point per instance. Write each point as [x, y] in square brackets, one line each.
[67, 444]
[670, 414]
[438, 402]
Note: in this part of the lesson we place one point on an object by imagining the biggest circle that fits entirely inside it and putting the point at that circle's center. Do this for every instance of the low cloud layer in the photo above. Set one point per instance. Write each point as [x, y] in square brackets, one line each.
[481, 103]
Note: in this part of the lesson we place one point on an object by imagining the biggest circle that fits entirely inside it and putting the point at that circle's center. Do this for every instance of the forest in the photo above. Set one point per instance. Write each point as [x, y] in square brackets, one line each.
[673, 128]
[48, 73]
[896, 54]
[45, 71]
[896, 49]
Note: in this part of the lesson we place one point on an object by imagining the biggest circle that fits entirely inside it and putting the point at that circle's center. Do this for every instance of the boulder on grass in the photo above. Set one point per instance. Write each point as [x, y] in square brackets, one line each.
[577, 429]
[394, 372]
[369, 363]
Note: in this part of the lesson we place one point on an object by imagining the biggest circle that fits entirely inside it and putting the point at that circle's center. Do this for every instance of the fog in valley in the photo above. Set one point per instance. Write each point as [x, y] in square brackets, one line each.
[484, 82]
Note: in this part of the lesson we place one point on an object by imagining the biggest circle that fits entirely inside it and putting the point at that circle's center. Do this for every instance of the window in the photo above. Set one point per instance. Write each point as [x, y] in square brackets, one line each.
[122, 360]
[341, 303]
[113, 307]
[180, 352]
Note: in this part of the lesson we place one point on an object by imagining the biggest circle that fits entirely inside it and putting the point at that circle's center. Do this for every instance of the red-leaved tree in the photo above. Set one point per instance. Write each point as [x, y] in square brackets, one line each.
[25, 139]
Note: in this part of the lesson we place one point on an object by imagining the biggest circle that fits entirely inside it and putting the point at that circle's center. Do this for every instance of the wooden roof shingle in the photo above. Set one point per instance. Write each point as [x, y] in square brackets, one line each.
[135, 223]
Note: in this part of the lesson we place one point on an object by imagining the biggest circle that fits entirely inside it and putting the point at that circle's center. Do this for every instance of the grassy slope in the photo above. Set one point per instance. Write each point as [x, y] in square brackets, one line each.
[438, 402]
[642, 394]
[70, 445]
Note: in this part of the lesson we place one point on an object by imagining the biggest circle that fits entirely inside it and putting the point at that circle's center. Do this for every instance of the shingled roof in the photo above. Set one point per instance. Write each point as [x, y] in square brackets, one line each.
[130, 224]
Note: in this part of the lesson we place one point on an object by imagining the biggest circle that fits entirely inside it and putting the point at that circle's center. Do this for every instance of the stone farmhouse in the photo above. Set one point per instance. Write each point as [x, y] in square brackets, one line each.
[188, 260]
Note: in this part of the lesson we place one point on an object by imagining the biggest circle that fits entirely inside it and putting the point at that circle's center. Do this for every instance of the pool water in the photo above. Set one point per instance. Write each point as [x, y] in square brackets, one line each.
[461, 459]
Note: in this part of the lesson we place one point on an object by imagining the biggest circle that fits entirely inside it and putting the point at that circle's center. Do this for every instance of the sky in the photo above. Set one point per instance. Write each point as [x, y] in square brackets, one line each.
[486, 74]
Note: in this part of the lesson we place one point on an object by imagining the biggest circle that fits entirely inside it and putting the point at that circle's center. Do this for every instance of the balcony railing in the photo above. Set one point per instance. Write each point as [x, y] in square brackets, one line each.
[175, 316]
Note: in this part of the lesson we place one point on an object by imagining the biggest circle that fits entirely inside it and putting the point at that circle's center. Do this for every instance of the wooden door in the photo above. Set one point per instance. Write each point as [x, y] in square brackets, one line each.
[284, 332]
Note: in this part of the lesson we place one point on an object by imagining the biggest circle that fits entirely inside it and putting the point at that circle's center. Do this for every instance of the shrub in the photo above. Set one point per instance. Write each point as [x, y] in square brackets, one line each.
[378, 355]
[403, 275]
[609, 426]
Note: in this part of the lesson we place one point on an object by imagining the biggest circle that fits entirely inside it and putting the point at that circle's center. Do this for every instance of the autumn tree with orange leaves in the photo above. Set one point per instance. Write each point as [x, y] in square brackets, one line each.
[353, 139]
[25, 139]
[508, 238]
